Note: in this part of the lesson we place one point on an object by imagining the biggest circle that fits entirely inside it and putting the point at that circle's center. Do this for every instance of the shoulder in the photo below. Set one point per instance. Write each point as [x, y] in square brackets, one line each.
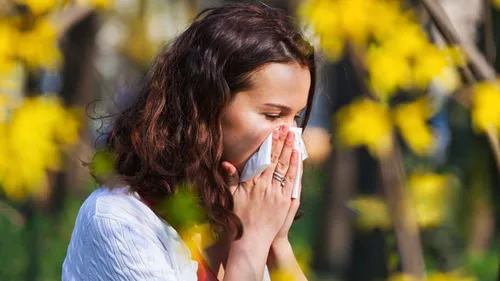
[126, 212]
[116, 233]
[118, 204]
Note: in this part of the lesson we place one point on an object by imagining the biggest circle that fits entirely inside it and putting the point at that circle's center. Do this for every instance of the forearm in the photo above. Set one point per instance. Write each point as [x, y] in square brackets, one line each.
[281, 257]
[246, 260]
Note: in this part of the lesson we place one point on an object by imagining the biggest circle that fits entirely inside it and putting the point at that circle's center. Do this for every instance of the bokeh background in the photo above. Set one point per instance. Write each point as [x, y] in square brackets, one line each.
[402, 182]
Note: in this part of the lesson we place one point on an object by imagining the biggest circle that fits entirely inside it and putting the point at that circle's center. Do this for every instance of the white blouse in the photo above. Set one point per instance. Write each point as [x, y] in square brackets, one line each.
[119, 238]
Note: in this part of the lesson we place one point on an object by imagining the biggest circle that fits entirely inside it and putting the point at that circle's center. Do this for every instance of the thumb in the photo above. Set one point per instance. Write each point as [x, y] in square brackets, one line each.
[232, 177]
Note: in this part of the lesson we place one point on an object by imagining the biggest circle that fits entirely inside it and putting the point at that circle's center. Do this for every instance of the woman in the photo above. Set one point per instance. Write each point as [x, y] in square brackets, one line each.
[235, 75]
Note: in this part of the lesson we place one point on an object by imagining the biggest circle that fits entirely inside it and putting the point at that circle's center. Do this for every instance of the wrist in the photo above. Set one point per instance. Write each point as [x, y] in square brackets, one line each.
[281, 243]
[253, 242]
[281, 254]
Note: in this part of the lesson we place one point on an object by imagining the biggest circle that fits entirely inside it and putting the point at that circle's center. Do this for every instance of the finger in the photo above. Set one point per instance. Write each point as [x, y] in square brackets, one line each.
[231, 176]
[291, 174]
[276, 151]
[286, 152]
[276, 137]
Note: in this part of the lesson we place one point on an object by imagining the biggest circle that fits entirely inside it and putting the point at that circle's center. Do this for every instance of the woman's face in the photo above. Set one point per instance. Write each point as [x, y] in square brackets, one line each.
[279, 93]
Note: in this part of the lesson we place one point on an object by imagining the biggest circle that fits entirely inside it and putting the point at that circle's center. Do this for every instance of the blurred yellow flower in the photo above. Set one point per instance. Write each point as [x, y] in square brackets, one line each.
[38, 7]
[44, 36]
[372, 211]
[399, 55]
[197, 238]
[282, 275]
[7, 46]
[138, 45]
[407, 40]
[31, 145]
[389, 17]
[429, 194]
[411, 121]
[368, 123]
[355, 18]
[449, 276]
[456, 55]
[437, 276]
[322, 16]
[388, 70]
[430, 63]
[333, 47]
[402, 277]
[448, 80]
[486, 106]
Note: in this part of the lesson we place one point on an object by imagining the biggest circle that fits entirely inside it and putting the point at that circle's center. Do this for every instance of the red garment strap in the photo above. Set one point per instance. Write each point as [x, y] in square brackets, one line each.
[204, 271]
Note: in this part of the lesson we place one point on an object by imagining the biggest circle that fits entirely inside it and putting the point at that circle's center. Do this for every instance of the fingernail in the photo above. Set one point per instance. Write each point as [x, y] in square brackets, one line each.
[284, 129]
[276, 135]
[289, 136]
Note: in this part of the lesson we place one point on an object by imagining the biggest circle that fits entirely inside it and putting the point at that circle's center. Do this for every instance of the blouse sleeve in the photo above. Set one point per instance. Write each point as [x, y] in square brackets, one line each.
[113, 250]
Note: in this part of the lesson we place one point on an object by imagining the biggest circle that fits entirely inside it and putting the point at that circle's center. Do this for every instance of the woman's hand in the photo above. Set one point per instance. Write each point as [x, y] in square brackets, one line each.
[282, 235]
[263, 205]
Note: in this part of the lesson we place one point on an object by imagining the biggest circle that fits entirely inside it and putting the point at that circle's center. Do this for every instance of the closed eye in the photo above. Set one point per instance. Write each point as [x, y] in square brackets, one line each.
[278, 116]
[273, 116]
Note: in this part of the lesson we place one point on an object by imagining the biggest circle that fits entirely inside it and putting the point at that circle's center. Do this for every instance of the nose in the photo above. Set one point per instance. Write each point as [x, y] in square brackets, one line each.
[289, 122]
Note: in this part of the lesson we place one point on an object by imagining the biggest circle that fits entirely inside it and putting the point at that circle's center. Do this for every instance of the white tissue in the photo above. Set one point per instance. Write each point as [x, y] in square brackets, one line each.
[259, 161]
[262, 159]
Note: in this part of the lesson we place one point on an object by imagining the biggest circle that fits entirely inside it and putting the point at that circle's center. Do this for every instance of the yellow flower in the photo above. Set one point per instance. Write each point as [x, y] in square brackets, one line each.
[197, 238]
[449, 276]
[448, 80]
[7, 42]
[326, 23]
[355, 18]
[38, 7]
[402, 277]
[429, 64]
[372, 211]
[69, 133]
[388, 71]
[333, 46]
[456, 54]
[486, 106]
[138, 44]
[429, 194]
[283, 275]
[44, 37]
[31, 146]
[389, 18]
[407, 40]
[319, 14]
[438, 276]
[368, 123]
[411, 120]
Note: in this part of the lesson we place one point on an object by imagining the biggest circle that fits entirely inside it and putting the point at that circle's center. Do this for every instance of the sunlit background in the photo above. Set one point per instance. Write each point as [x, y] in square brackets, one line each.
[402, 181]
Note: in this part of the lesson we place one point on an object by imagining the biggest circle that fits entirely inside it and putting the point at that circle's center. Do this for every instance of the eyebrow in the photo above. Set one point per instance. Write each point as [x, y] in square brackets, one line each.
[282, 107]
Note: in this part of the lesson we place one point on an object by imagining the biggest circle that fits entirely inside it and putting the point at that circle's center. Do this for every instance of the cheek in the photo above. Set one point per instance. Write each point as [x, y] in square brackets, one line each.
[243, 139]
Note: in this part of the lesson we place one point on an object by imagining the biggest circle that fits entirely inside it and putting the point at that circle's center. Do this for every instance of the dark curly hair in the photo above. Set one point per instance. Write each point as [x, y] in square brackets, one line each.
[172, 133]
